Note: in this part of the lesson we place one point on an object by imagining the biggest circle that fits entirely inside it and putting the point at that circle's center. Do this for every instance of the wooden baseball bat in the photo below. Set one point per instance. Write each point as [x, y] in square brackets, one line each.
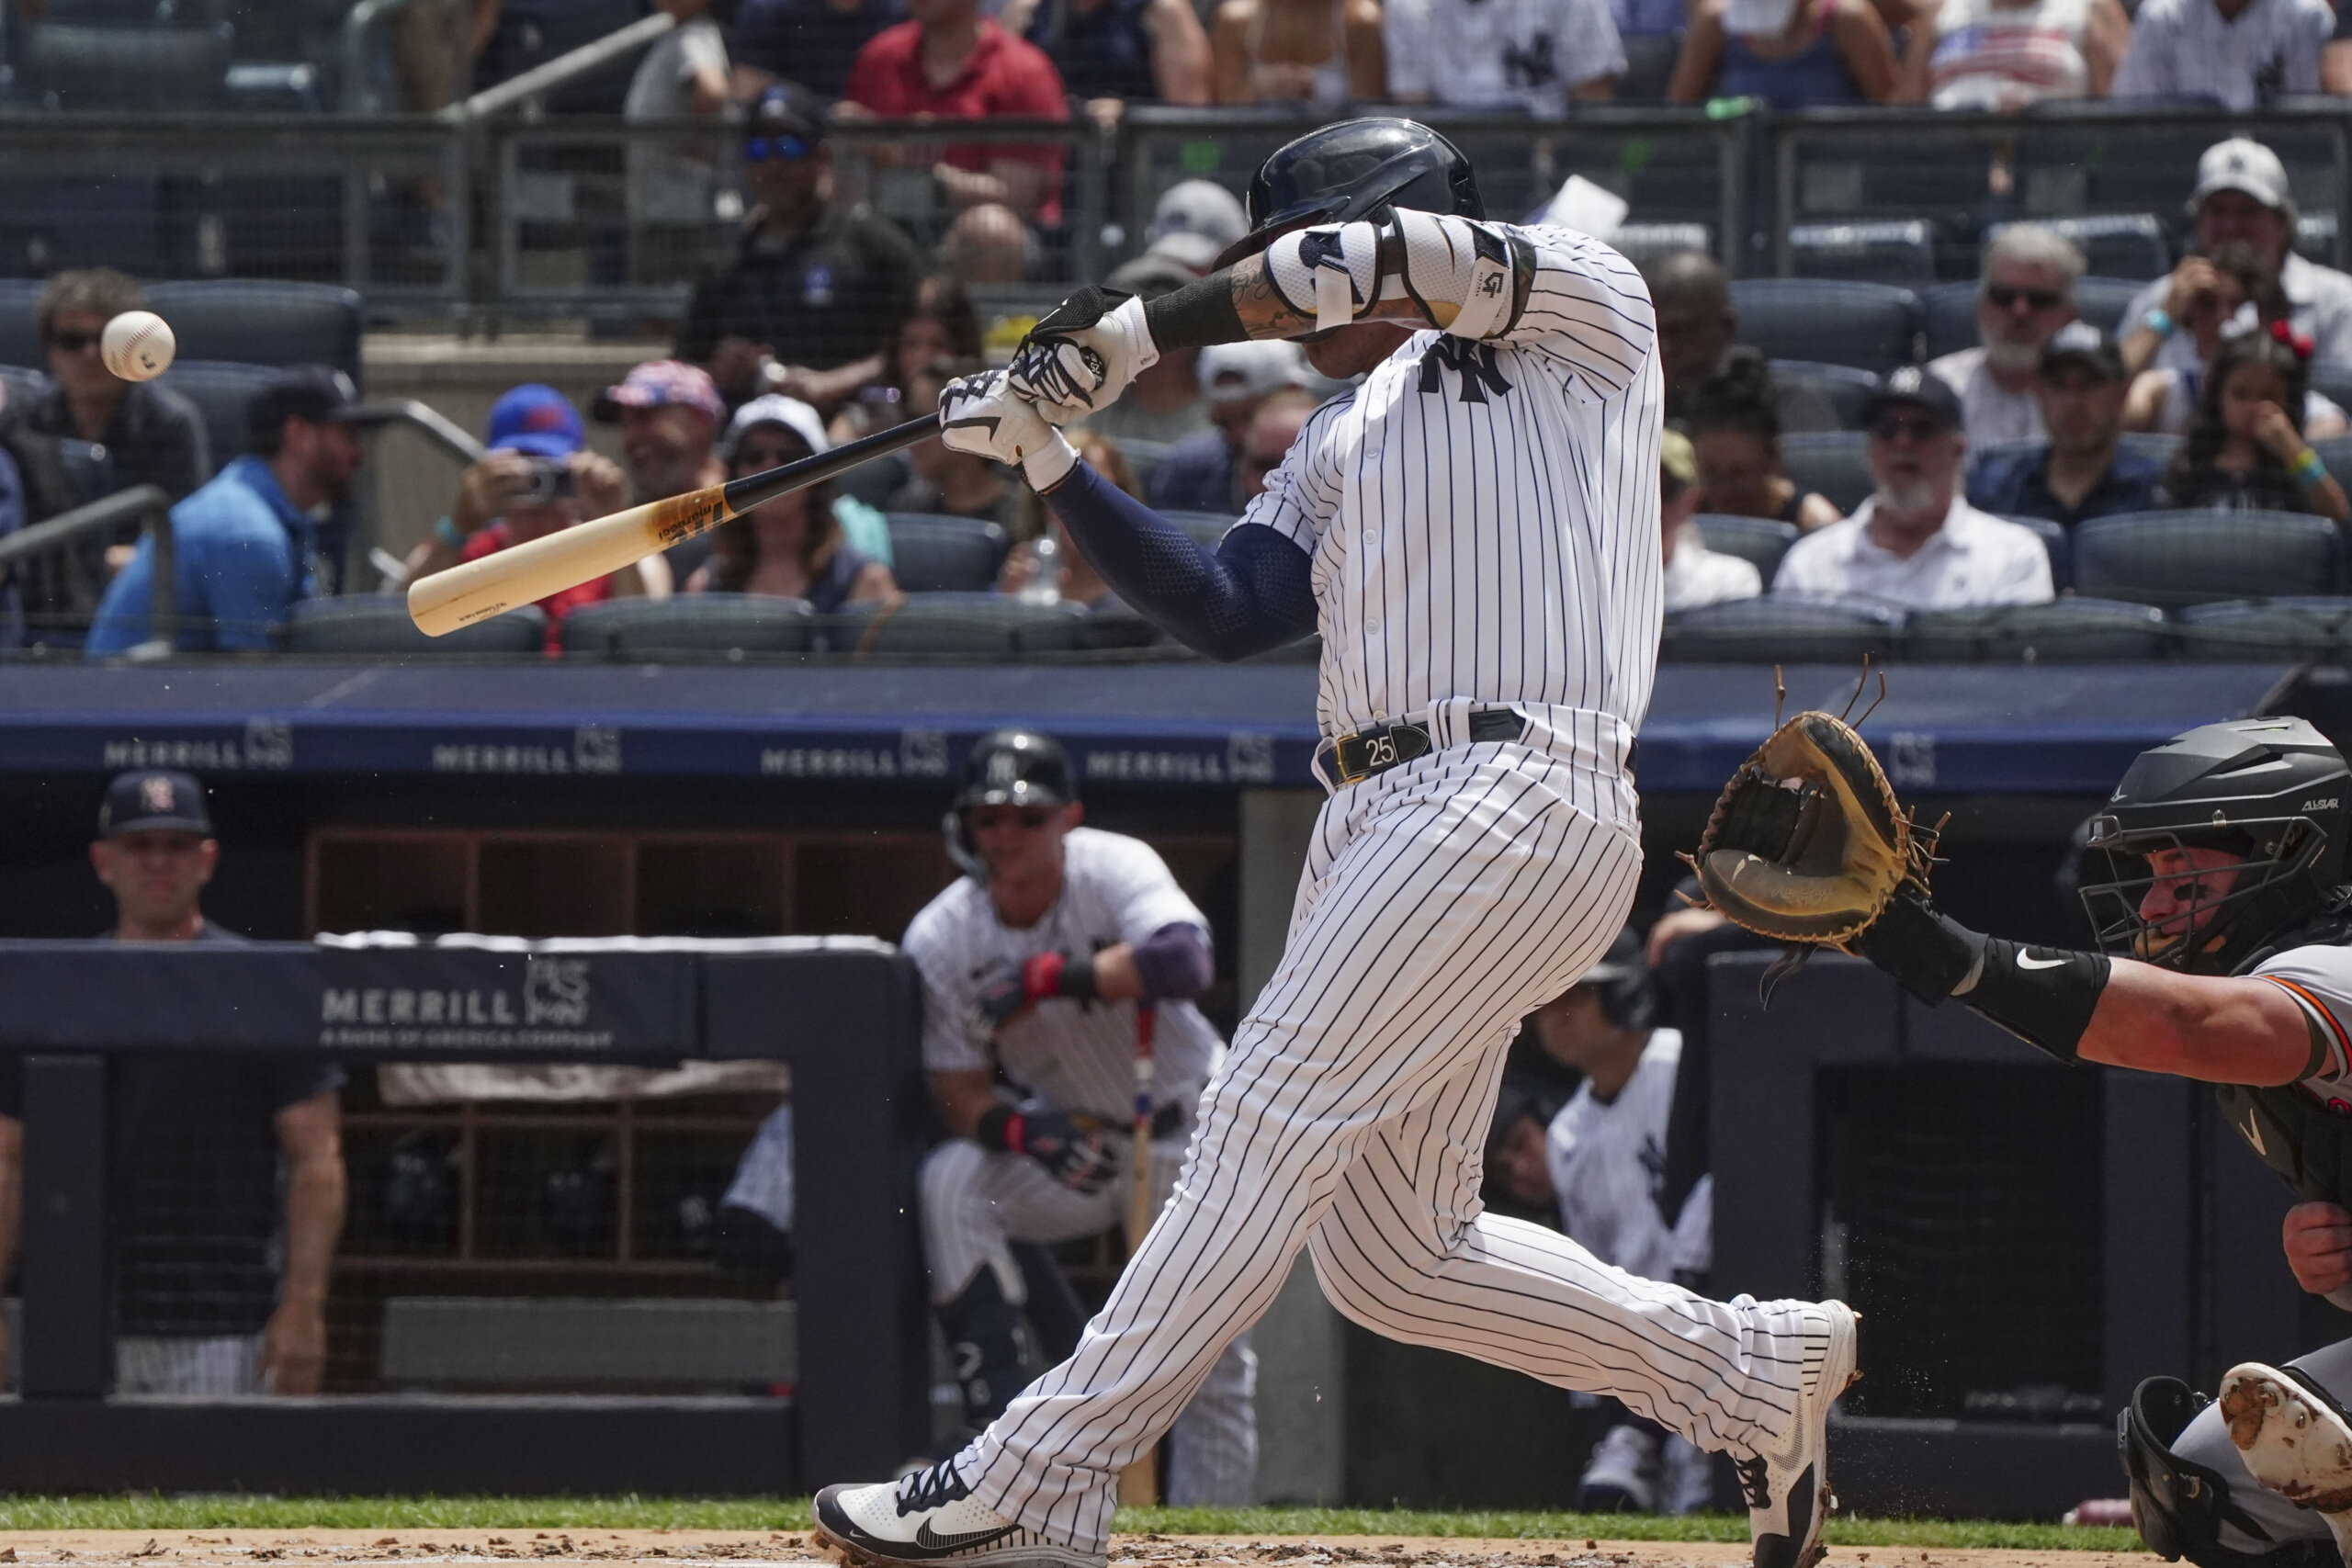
[476, 590]
[1140, 1481]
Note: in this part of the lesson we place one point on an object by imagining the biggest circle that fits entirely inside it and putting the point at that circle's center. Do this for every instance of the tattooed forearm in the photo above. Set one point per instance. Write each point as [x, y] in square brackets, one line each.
[1264, 312]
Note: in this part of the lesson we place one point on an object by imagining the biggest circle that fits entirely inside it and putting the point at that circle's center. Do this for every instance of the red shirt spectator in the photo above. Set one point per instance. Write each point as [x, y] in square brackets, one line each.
[1002, 76]
[493, 539]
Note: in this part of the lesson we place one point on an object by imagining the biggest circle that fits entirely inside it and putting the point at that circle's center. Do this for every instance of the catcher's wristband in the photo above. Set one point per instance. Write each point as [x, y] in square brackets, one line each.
[1002, 1128]
[2045, 998]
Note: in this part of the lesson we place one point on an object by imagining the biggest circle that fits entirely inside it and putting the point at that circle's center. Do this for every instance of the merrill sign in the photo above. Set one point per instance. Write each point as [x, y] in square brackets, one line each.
[552, 1009]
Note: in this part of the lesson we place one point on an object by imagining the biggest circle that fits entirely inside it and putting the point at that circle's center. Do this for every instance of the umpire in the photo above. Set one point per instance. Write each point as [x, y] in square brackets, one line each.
[218, 1291]
[2226, 955]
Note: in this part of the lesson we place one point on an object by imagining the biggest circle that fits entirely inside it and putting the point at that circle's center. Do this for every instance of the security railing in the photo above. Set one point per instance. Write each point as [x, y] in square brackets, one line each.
[500, 215]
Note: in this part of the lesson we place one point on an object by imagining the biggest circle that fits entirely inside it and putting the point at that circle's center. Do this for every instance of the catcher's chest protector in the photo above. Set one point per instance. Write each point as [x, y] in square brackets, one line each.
[2307, 1142]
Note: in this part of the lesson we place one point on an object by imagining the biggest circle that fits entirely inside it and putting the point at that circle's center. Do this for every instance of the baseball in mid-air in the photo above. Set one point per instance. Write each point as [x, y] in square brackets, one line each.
[138, 345]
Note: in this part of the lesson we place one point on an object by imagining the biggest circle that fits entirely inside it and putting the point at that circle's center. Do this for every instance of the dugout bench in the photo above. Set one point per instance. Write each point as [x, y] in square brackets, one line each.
[842, 1012]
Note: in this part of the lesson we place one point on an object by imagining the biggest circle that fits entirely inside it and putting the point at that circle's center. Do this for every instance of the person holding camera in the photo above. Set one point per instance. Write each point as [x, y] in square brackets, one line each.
[537, 477]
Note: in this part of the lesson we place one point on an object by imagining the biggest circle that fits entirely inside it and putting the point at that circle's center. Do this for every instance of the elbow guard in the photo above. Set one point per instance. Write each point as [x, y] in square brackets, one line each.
[1468, 280]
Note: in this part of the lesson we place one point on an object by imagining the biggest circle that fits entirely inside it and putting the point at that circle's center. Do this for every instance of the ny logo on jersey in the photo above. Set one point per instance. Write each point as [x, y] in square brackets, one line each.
[1474, 362]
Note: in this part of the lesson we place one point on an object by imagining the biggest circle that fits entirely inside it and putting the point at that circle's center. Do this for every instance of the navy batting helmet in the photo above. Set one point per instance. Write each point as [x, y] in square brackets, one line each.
[1345, 171]
[1007, 767]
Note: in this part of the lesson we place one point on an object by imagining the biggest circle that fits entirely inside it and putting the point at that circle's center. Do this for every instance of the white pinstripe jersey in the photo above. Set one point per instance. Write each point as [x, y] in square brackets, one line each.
[1484, 515]
[1073, 1055]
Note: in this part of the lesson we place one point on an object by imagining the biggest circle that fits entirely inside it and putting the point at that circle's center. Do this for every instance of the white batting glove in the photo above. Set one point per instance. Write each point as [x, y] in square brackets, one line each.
[981, 415]
[1079, 358]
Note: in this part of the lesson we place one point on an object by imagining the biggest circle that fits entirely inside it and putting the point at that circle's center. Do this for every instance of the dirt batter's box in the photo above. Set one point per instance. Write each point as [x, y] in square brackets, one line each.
[844, 1013]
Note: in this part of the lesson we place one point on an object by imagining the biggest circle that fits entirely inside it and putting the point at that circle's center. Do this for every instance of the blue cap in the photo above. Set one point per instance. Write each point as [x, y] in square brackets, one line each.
[149, 799]
[537, 421]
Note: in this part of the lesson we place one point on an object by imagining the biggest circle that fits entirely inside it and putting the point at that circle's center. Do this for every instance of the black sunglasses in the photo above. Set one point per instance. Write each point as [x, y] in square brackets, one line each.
[72, 342]
[2005, 296]
[1895, 426]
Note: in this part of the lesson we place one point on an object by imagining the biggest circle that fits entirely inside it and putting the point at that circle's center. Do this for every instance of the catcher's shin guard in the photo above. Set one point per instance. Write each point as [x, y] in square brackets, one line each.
[2177, 1506]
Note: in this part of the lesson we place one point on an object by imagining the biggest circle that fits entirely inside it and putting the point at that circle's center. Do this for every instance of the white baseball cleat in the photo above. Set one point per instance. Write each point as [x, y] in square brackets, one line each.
[2296, 1441]
[1788, 1486]
[932, 1516]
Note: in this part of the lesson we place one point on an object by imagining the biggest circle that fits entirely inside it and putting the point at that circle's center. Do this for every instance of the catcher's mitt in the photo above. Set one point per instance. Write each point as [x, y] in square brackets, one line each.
[1807, 842]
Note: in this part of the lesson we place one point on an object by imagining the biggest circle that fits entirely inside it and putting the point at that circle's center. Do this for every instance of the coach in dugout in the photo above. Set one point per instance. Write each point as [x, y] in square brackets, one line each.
[218, 1290]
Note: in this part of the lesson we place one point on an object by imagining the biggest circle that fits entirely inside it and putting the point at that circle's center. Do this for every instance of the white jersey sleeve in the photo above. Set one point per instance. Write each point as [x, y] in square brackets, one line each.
[1139, 888]
[948, 987]
[1586, 306]
[2319, 979]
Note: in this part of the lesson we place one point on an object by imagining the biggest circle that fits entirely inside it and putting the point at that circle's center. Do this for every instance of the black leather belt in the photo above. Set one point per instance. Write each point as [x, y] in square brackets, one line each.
[1351, 758]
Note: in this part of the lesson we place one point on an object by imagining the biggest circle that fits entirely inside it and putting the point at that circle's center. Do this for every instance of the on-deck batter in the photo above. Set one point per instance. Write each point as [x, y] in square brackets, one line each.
[1473, 530]
[1033, 961]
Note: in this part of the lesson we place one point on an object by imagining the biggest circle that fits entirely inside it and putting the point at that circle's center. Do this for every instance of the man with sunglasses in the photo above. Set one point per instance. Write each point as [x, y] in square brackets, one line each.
[1035, 964]
[816, 289]
[1916, 544]
[2026, 293]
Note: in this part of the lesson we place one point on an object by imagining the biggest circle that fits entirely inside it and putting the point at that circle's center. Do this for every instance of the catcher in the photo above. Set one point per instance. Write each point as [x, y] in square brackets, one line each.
[2225, 939]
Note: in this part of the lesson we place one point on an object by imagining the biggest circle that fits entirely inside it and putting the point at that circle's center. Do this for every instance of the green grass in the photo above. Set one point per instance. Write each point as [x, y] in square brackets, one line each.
[233, 1511]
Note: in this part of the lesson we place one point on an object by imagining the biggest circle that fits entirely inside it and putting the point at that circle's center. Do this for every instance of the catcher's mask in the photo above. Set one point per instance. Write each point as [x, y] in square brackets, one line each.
[1007, 767]
[2269, 792]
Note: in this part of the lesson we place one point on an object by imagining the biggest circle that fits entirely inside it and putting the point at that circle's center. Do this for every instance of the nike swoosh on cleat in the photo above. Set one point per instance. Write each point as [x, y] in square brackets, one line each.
[932, 1540]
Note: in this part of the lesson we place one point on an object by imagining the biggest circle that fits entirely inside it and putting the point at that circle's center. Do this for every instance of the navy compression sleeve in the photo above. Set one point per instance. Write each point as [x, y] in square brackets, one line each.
[1173, 962]
[1256, 593]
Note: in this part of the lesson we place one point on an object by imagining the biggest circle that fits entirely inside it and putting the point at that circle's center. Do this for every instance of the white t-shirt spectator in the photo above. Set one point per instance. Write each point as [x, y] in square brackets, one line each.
[674, 183]
[1696, 575]
[1528, 54]
[1989, 411]
[1974, 559]
[2322, 298]
[2186, 49]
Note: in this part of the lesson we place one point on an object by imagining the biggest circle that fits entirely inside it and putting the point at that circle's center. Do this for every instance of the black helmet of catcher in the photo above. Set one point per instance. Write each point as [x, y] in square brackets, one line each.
[1007, 767]
[1343, 172]
[2270, 791]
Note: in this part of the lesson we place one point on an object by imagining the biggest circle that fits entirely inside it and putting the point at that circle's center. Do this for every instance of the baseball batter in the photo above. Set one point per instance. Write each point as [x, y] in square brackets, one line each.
[1472, 530]
[1034, 962]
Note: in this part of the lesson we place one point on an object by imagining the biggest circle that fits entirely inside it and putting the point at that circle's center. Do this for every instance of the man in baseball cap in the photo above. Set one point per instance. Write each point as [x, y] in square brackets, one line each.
[2242, 193]
[670, 413]
[1916, 544]
[245, 546]
[1235, 379]
[228, 1177]
[2084, 470]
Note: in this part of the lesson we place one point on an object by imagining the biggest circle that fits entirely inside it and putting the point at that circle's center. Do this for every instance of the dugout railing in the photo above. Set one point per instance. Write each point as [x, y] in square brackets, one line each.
[842, 1012]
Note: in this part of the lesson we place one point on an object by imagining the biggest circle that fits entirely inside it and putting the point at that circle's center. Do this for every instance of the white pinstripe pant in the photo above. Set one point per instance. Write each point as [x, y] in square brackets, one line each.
[974, 1201]
[1442, 901]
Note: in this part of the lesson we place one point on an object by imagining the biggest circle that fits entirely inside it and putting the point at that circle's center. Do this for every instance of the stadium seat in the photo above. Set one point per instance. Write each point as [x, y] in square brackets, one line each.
[378, 623]
[19, 325]
[2332, 381]
[2056, 543]
[1208, 528]
[223, 394]
[1845, 389]
[143, 66]
[1760, 541]
[253, 321]
[1951, 310]
[1901, 253]
[1748, 631]
[1649, 62]
[1641, 242]
[932, 554]
[1867, 326]
[2063, 631]
[705, 625]
[2128, 245]
[2296, 627]
[1835, 462]
[988, 625]
[2173, 559]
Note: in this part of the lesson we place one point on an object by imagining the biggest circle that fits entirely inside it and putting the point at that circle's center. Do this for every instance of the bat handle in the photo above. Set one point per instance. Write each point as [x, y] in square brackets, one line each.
[1140, 1208]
